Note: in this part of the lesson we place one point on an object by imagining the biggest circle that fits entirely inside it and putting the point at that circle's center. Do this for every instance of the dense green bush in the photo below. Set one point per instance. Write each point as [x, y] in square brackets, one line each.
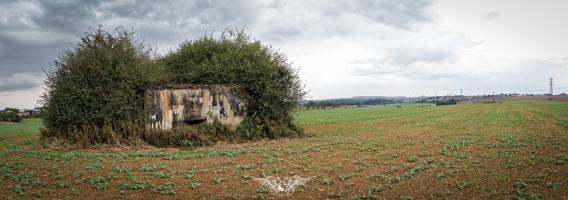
[95, 89]
[272, 85]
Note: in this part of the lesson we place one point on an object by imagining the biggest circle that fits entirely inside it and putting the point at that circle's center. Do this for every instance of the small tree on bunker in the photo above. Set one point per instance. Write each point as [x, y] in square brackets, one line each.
[272, 84]
[94, 91]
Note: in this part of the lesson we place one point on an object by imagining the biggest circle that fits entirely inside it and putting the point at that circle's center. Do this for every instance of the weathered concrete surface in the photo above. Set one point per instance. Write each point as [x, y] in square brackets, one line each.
[173, 105]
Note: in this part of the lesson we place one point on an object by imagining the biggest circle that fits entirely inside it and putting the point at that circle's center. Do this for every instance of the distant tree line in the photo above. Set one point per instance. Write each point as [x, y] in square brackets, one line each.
[446, 102]
[10, 115]
[346, 102]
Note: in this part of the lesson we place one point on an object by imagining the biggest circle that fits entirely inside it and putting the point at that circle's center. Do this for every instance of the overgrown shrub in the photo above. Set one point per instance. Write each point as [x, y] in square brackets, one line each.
[232, 57]
[94, 91]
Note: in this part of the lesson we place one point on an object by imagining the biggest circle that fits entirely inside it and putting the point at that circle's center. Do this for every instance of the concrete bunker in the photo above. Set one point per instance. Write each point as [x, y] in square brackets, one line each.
[172, 105]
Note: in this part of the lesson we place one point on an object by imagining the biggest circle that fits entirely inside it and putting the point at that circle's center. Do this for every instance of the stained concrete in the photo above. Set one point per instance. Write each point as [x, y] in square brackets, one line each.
[174, 105]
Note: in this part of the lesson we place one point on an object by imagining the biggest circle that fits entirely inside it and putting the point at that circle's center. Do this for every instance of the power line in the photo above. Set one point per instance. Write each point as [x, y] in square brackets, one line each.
[551, 87]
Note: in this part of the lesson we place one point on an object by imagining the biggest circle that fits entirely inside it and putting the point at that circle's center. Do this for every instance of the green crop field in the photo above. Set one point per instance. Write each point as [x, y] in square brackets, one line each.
[15, 133]
[509, 150]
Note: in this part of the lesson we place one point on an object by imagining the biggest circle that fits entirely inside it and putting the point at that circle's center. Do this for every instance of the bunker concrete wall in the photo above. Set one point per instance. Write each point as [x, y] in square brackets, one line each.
[170, 106]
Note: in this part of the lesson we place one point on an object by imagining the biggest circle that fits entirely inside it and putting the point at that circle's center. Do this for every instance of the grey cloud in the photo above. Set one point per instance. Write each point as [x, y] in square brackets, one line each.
[422, 71]
[491, 15]
[512, 74]
[418, 55]
[411, 55]
[526, 75]
[19, 57]
[34, 32]
[20, 81]
[66, 17]
[396, 13]
[314, 19]
[183, 12]
[26, 48]
[407, 61]
[370, 67]
[400, 14]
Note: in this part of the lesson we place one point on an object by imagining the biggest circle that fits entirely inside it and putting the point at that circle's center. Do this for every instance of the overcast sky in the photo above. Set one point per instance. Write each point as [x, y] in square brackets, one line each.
[343, 48]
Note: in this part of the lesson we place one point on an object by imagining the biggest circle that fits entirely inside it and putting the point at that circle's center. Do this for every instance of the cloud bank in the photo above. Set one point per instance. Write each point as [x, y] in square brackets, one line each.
[378, 47]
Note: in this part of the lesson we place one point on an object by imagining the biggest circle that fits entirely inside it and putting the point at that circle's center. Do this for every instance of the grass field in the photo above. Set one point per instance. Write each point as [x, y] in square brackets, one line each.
[514, 149]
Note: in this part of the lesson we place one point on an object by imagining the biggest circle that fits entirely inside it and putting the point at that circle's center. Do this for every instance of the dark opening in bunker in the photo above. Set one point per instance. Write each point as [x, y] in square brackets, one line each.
[193, 121]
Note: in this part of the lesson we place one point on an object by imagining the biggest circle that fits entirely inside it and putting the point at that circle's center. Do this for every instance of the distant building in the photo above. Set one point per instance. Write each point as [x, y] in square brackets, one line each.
[30, 112]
